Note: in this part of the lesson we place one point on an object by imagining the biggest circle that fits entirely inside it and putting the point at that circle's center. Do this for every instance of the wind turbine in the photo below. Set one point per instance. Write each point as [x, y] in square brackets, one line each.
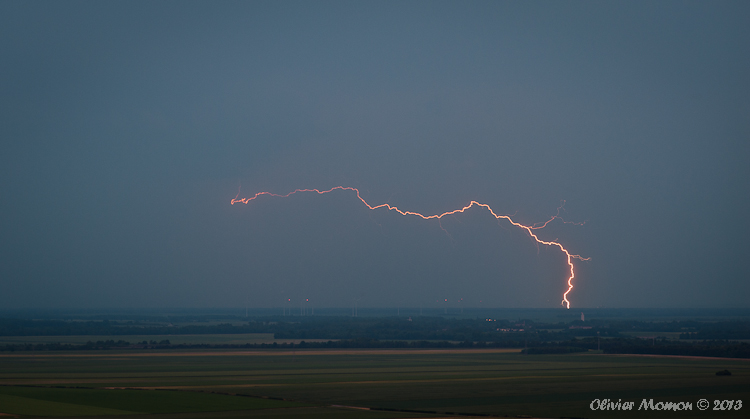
[400, 303]
[355, 306]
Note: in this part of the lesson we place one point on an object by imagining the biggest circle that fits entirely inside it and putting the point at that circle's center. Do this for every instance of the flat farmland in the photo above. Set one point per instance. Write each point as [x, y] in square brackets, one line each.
[218, 339]
[306, 383]
[208, 339]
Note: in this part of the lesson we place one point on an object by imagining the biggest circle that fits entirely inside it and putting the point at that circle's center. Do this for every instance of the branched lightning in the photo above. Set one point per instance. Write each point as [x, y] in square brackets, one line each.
[529, 229]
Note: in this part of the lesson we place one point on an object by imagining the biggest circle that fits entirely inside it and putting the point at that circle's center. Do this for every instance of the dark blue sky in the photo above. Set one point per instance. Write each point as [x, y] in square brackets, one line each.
[127, 127]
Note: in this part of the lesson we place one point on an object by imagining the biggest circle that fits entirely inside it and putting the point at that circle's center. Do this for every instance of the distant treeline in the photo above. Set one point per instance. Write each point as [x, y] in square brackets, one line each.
[538, 350]
[321, 327]
[164, 344]
[698, 338]
[722, 349]
[23, 327]
[732, 330]
[385, 328]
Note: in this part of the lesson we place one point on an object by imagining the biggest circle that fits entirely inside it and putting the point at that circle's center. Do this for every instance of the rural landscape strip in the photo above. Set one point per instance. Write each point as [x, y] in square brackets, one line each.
[533, 368]
[269, 353]
[721, 337]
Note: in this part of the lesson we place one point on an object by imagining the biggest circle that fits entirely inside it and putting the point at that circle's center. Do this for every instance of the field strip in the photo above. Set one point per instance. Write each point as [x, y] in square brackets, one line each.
[439, 380]
[191, 388]
[274, 353]
[350, 407]
[341, 406]
[44, 382]
[712, 358]
[94, 381]
[442, 380]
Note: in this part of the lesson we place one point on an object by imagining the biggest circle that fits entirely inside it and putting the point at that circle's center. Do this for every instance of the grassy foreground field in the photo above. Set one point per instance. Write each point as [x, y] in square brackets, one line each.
[311, 383]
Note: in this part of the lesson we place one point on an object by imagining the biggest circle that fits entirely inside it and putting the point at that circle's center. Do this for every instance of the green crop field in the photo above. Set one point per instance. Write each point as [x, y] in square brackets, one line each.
[311, 383]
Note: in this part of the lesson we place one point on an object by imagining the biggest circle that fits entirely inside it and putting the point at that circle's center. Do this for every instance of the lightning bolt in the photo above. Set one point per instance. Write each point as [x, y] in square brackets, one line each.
[529, 229]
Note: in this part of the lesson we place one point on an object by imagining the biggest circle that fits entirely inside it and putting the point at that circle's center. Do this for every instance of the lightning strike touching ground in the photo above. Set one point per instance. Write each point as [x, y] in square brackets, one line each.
[529, 229]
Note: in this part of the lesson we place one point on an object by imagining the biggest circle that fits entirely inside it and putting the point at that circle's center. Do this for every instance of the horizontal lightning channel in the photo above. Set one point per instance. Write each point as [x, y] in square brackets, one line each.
[529, 229]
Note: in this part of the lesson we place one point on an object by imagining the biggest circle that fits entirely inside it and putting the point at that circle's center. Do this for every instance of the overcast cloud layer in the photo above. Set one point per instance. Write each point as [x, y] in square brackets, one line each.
[127, 127]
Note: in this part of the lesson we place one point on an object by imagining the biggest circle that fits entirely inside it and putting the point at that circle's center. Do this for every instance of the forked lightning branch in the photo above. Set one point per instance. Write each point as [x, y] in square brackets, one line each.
[530, 229]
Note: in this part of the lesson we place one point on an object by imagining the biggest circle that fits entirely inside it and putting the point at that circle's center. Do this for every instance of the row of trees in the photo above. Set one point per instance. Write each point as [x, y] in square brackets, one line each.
[612, 346]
